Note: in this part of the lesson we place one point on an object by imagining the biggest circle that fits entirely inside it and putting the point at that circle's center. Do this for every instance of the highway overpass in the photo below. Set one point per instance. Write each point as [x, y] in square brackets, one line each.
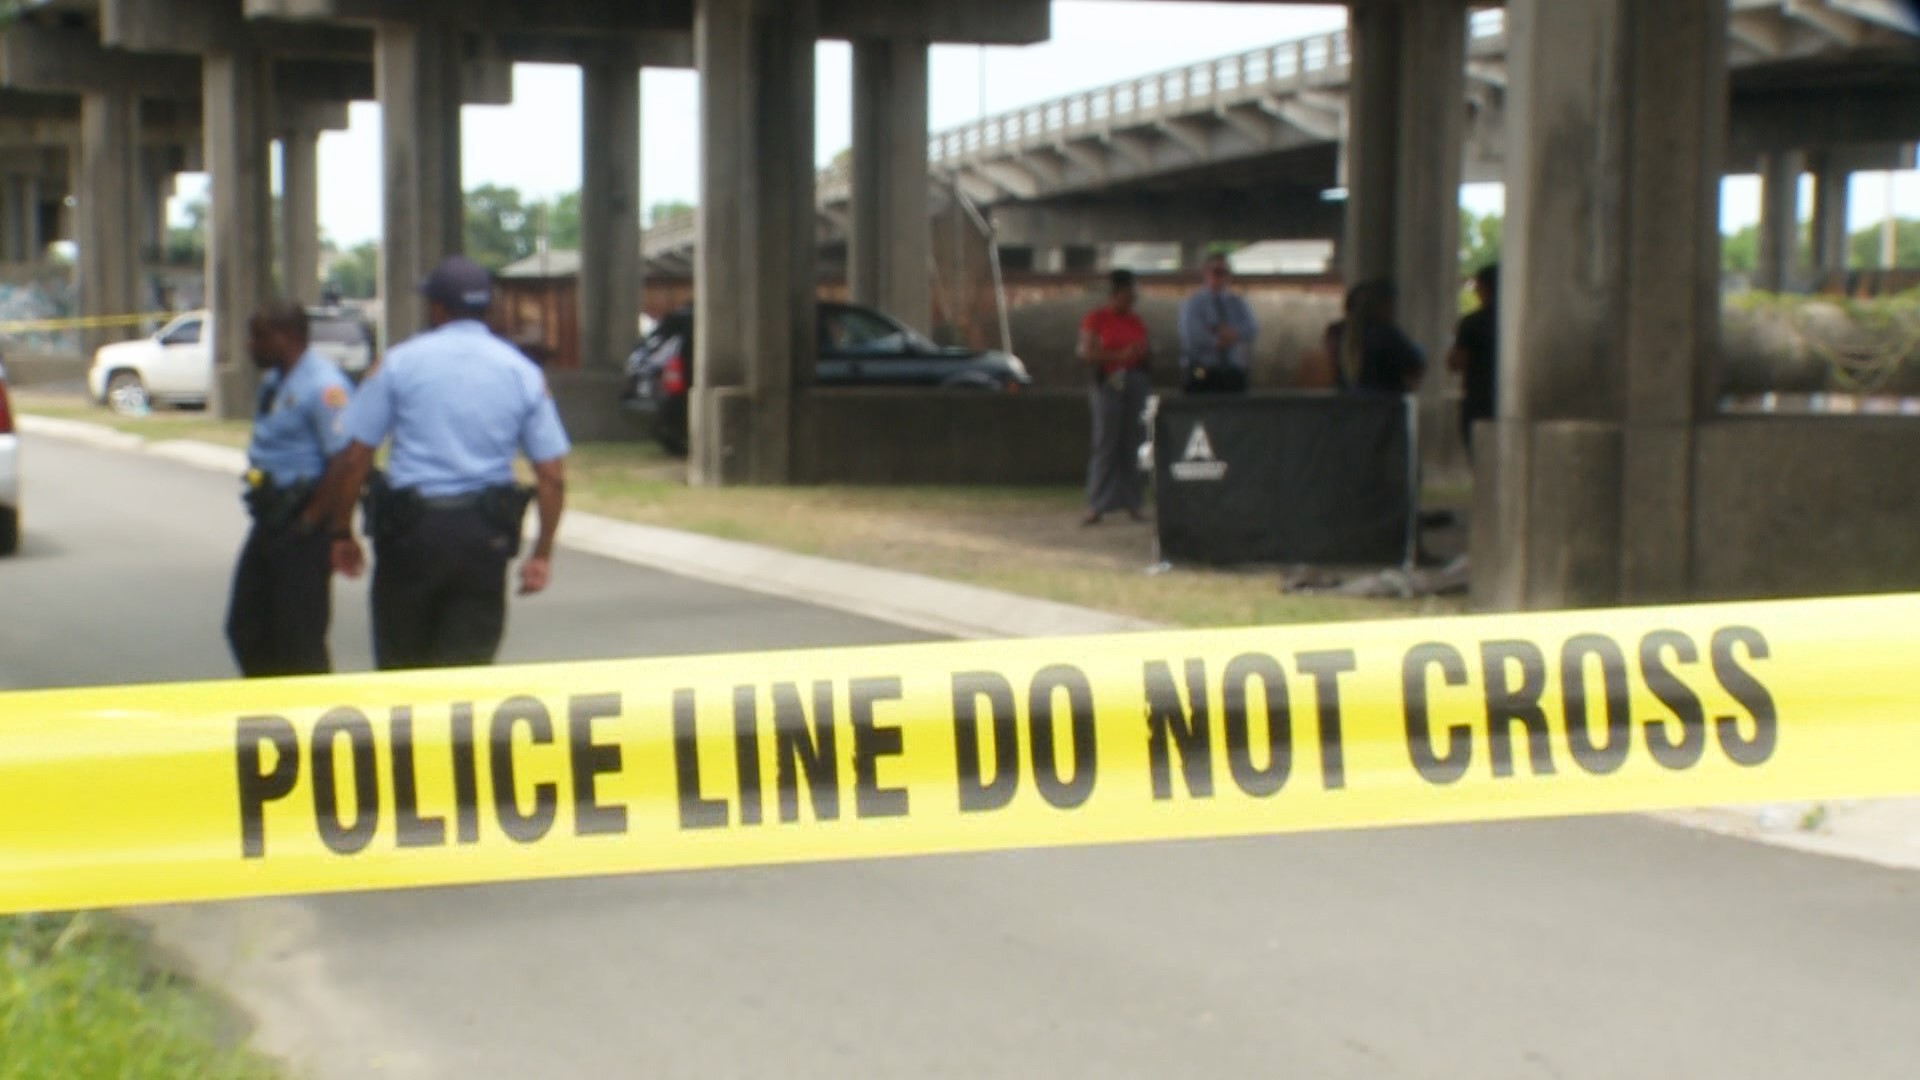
[1247, 146]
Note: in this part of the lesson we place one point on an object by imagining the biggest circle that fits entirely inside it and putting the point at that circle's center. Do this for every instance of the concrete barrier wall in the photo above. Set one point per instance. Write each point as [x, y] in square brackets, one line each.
[1804, 506]
[942, 437]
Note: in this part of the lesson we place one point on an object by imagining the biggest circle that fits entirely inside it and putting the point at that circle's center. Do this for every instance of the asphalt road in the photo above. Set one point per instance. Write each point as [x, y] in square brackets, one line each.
[1596, 948]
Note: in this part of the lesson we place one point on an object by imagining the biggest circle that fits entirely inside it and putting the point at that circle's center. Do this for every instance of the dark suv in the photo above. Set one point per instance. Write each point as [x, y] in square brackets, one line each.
[858, 347]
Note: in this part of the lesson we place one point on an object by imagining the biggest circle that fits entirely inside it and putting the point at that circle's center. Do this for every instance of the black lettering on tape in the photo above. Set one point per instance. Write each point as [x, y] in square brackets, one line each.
[1509, 704]
[1682, 750]
[1326, 669]
[746, 753]
[797, 750]
[466, 776]
[1606, 756]
[590, 761]
[341, 837]
[1749, 692]
[1258, 781]
[412, 829]
[977, 796]
[1172, 728]
[528, 826]
[871, 742]
[1061, 792]
[696, 810]
[1433, 765]
[257, 787]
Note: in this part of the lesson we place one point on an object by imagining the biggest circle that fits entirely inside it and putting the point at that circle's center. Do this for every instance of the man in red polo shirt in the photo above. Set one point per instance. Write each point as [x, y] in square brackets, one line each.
[1113, 343]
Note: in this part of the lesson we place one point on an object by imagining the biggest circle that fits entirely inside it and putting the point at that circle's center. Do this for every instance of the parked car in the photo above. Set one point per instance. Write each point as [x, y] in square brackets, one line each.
[858, 347]
[9, 473]
[175, 366]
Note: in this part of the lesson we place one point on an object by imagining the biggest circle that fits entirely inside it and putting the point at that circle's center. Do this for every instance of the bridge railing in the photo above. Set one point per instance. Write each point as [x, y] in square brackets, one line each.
[1318, 62]
[1322, 61]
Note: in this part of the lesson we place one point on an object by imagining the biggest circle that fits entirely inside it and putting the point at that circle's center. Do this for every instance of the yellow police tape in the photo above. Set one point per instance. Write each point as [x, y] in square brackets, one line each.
[166, 793]
[90, 322]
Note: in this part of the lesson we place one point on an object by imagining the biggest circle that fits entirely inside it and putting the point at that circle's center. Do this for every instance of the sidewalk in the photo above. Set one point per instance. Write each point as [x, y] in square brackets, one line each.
[1885, 832]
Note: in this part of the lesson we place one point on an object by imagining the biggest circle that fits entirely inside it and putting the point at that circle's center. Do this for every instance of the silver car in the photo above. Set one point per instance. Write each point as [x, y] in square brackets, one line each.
[9, 474]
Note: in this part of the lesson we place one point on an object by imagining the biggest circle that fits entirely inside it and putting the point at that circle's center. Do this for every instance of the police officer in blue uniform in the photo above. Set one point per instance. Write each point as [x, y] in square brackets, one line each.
[459, 405]
[282, 598]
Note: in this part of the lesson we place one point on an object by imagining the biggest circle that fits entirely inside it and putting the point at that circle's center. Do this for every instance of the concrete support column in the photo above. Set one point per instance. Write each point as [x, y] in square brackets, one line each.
[237, 107]
[754, 269]
[1610, 324]
[1831, 187]
[888, 251]
[417, 70]
[13, 220]
[610, 271]
[1777, 266]
[1405, 129]
[300, 215]
[32, 239]
[156, 187]
[109, 210]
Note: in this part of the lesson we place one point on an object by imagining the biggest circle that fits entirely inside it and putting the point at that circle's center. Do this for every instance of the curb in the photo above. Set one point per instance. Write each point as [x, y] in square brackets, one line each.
[913, 601]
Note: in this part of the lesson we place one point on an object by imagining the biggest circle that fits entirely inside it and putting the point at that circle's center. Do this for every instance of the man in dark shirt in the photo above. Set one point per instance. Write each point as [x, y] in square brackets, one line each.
[1371, 355]
[1476, 354]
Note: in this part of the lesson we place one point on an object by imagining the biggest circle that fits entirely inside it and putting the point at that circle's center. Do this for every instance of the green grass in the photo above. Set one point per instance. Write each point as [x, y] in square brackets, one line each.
[80, 997]
[1018, 540]
[160, 425]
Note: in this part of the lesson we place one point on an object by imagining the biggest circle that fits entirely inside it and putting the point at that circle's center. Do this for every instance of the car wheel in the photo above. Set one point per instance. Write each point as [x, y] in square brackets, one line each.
[9, 531]
[127, 395]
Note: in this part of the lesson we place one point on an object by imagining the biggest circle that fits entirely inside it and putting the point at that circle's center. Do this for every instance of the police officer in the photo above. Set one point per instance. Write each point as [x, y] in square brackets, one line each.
[459, 404]
[282, 589]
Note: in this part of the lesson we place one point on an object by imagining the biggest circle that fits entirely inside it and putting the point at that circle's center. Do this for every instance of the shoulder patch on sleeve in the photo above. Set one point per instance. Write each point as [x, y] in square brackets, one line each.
[334, 396]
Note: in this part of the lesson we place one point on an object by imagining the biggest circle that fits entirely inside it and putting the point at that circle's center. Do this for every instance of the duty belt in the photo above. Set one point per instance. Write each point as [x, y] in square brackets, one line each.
[452, 502]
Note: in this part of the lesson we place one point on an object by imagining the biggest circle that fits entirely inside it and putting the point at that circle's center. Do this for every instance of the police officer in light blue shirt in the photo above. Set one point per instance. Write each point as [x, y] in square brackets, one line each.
[282, 600]
[459, 406]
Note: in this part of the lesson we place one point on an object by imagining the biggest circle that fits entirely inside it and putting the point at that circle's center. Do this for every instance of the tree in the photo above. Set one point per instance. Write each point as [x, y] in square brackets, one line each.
[563, 222]
[356, 273]
[1740, 251]
[187, 244]
[667, 211]
[1864, 246]
[1479, 240]
[499, 228]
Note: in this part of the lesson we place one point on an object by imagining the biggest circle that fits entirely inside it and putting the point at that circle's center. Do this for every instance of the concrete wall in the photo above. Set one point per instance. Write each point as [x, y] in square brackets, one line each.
[1805, 506]
[941, 437]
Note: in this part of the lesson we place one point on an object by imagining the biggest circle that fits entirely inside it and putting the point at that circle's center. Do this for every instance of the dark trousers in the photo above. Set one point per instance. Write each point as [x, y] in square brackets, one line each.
[282, 604]
[440, 592]
[1216, 380]
[1113, 469]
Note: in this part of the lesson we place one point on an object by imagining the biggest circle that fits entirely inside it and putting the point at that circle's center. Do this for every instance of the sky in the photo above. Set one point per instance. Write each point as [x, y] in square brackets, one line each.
[534, 144]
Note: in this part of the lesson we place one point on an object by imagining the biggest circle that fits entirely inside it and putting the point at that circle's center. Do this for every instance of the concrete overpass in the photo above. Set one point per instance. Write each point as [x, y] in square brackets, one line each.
[1244, 146]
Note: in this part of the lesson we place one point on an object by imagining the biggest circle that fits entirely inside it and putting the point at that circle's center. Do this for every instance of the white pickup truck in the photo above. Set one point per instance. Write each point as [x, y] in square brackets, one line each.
[175, 366]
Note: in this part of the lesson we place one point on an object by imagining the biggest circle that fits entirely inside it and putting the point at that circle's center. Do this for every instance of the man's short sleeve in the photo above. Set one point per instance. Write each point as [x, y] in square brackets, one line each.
[327, 415]
[542, 437]
[368, 418]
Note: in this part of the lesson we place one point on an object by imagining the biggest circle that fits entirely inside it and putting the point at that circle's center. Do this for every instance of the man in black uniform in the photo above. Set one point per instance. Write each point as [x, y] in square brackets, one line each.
[282, 589]
[459, 405]
[1476, 354]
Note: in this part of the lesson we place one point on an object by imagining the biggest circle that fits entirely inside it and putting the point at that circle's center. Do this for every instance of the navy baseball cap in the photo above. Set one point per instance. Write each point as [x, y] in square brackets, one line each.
[460, 284]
